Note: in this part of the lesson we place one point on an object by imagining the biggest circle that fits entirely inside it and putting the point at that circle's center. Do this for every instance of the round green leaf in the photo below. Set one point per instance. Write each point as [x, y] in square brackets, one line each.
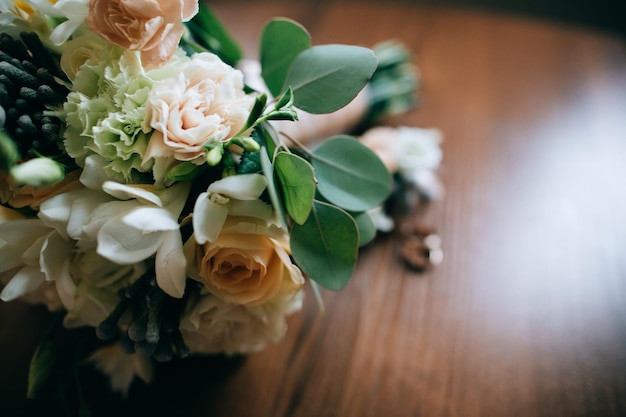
[297, 182]
[325, 247]
[350, 174]
[367, 229]
[325, 78]
[281, 41]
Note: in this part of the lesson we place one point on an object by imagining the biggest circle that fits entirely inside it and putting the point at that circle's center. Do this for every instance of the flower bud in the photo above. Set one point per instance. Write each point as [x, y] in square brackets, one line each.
[38, 172]
[250, 144]
[214, 155]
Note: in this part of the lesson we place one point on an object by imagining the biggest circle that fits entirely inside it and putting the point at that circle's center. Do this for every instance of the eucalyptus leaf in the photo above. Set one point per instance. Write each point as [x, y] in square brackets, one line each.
[41, 366]
[367, 228]
[327, 77]
[350, 174]
[281, 41]
[297, 182]
[325, 247]
[256, 111]
[211, 34]
[268, 171]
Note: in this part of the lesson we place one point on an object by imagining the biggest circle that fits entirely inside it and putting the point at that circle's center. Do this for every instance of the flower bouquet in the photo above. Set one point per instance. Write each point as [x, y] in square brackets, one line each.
[149, 192]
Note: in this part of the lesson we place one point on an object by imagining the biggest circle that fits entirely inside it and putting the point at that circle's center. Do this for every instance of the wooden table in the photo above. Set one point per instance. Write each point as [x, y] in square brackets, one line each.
[527, 314]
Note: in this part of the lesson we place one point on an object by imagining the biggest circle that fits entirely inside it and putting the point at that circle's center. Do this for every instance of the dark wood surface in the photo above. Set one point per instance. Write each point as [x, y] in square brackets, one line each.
[526, 316]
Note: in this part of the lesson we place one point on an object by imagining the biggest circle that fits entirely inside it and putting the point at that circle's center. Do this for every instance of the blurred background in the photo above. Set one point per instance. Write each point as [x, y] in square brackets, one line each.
[605, 15]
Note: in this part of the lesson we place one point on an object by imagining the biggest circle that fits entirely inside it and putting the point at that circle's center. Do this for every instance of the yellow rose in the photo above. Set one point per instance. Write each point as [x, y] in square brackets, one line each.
[248, 264]
[153, 27]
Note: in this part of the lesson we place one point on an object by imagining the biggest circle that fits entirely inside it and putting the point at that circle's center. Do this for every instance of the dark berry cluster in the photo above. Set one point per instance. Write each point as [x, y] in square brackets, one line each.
[31, 83]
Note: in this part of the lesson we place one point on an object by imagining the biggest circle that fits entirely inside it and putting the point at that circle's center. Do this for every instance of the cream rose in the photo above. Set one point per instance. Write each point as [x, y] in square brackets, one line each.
[79, 50]
[203, 103]
[248, 264]
[153, 27]
[212, 325]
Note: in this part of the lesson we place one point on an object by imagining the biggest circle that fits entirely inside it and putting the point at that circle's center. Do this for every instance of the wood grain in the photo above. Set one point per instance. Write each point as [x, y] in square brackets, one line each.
[526, 315]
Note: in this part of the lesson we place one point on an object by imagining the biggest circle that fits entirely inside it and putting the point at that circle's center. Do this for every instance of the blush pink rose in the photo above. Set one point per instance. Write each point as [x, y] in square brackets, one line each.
[153, 27]
[204, 104]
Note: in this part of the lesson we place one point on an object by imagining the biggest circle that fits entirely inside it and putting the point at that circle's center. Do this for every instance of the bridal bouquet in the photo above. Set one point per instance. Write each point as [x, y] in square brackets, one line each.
[147, 189]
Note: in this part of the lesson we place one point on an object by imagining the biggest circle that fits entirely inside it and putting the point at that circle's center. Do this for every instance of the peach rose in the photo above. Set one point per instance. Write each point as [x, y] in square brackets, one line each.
[202, 103]
[153, 27]
[28, 196]
[248, 264]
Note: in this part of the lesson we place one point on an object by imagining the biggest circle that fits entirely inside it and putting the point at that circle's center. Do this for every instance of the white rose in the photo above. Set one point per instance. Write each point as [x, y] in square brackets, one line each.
[212, 325]
[79, 50]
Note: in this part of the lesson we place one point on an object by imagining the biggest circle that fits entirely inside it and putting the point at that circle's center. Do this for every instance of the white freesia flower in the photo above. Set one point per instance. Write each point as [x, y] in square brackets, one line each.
[26, 245]
[50, 259]
[73, 11]
[237, 195]
[16, 17]
[212, 325]
[144, 224]
[413, 152]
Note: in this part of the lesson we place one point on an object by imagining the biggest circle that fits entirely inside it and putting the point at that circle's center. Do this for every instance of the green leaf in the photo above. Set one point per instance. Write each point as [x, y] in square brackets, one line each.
[256, 111]
[281, 41]
[268, 171]
[207, 29]
[350, 174]
[367, 228]
[41, 366]
[325, 78]
[9, 154]
[325, 247]
[184, 171]
[297, 182]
